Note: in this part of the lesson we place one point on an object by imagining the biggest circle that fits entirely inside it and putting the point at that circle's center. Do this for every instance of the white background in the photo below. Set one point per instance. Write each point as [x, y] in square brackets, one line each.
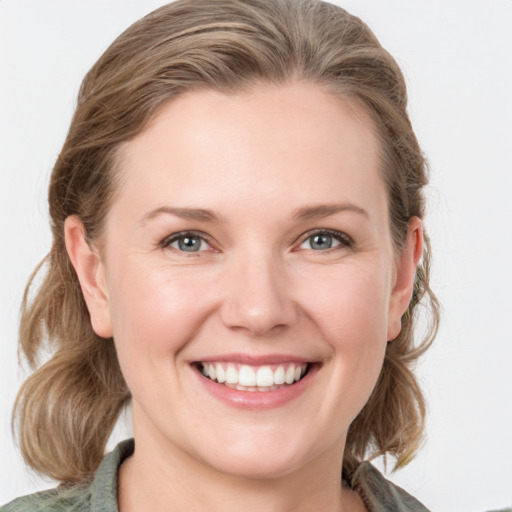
[457, 56]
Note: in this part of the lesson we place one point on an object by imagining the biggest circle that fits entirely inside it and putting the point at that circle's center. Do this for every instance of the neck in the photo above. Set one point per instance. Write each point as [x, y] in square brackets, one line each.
[163, 477]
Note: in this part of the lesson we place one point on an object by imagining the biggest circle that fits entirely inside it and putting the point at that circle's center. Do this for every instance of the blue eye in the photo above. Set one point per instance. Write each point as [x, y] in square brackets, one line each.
[187, 242]
[325, 240]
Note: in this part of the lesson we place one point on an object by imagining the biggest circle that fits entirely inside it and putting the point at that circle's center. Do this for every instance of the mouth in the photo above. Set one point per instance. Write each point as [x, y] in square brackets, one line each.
[254, 378]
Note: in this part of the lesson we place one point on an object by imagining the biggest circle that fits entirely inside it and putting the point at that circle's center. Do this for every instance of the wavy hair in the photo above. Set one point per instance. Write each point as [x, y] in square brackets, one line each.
[66, 409]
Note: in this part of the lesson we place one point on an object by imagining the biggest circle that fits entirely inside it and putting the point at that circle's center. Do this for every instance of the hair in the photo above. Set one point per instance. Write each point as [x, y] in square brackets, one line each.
[66, 409]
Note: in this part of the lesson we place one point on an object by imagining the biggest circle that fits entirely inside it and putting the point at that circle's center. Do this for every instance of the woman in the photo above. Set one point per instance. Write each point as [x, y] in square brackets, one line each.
[238, 253]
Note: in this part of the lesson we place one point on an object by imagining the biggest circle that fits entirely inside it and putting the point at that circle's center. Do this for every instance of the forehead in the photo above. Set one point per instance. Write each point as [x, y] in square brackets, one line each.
[295, 138]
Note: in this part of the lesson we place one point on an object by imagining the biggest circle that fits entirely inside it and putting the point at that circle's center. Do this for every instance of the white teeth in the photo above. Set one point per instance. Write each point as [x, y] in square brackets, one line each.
[279, 376]
[290, 375]
[221, 374]
[246, 376]
[265, 376]
[231, 375]
[252, 378]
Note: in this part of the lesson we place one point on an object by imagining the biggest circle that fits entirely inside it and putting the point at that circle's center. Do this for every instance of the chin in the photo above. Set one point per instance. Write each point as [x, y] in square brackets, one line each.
[260, 457]
[257, 467]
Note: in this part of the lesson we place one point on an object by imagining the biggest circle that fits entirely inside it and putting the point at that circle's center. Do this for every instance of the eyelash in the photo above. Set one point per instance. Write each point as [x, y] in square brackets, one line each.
[344, 240]
[168, 241]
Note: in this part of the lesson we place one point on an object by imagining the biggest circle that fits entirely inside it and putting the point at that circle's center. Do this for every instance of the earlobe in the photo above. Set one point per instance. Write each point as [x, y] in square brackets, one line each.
[405, 276]
[90, 271]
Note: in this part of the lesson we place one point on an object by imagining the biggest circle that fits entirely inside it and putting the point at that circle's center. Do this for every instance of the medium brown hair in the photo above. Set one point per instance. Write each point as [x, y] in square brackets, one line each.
[67, 407]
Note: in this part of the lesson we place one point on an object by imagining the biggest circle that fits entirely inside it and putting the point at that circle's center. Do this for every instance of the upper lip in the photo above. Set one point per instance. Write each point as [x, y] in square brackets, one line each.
[255, 360]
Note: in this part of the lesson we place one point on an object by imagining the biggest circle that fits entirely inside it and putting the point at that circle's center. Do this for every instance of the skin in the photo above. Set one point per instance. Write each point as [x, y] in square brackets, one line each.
[257, 287]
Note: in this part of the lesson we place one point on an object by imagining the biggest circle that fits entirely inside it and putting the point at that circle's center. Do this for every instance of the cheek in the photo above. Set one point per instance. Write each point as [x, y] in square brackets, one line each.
[351, 306]
[352, 313]
[154, 314]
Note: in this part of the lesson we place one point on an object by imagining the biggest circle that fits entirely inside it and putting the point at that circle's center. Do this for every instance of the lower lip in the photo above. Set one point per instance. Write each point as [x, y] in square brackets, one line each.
[257, 399]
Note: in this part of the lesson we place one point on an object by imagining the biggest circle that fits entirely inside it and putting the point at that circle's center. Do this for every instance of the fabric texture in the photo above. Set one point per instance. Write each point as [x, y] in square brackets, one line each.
[378, 494]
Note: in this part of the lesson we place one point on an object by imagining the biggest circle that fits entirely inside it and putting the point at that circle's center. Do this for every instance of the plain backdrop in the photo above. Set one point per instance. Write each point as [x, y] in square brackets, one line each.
[457, 56]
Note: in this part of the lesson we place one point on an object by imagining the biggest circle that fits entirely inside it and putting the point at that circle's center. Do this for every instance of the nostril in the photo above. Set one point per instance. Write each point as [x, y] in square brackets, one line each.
[258, 319]
[257, 294]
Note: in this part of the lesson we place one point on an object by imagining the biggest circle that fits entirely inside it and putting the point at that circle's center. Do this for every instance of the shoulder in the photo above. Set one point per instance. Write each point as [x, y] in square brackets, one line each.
[100, 495]
[378, 493]
[54, 500]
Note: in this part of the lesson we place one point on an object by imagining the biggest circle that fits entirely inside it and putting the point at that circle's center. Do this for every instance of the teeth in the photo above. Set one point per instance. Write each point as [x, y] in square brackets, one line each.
[231, 375]
[290, 375]
[265, 376]
[246, 376]
[279, 375]
[252, 378]
[221, 374]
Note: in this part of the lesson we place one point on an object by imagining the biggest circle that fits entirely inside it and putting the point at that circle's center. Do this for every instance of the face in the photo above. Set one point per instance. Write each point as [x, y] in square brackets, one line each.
[249, 242]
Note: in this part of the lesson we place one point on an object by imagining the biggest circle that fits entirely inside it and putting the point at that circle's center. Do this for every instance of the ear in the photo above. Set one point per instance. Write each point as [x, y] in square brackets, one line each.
[406, 265]
[91, 274]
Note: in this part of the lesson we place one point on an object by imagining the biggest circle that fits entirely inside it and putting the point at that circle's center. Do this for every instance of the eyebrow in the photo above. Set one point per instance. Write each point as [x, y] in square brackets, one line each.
[320, 211]
[317, 211]
[199, 214]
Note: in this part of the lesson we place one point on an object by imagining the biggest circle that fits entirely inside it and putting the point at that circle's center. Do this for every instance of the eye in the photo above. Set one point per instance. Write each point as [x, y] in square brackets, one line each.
[187, 242]
[325, 240]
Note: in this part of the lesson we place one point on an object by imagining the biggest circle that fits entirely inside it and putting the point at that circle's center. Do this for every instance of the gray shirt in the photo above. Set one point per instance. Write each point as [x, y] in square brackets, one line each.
[378, 494]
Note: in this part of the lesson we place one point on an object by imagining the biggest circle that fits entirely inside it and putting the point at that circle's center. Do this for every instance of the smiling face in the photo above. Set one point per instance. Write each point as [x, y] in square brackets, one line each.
[249, 241]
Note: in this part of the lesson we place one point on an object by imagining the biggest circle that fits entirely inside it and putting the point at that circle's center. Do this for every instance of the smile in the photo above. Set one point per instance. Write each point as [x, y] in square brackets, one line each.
[243, 377]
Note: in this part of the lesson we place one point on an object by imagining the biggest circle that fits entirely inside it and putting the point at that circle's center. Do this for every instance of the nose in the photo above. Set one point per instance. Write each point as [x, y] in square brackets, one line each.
[258, 296]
